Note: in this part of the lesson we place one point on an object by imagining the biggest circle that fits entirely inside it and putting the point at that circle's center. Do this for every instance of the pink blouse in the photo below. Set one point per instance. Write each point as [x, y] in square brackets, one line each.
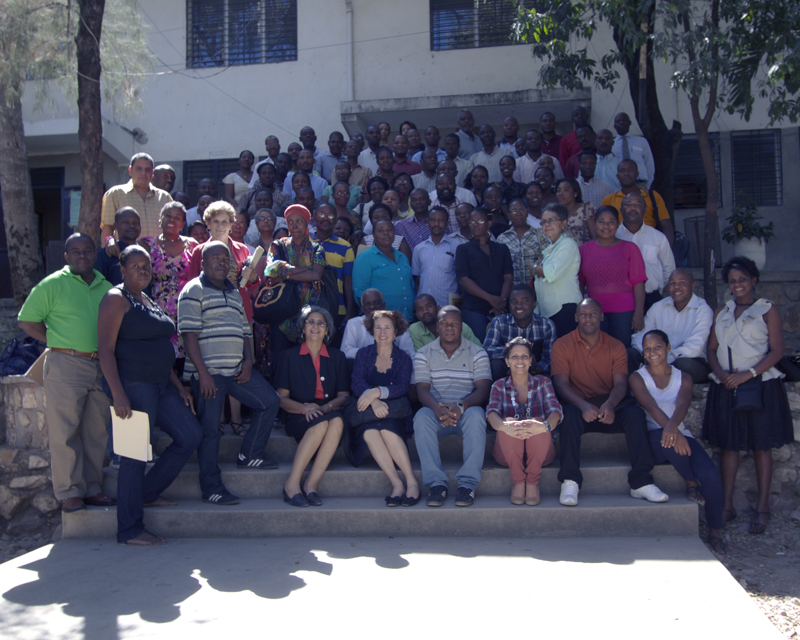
[610, 273]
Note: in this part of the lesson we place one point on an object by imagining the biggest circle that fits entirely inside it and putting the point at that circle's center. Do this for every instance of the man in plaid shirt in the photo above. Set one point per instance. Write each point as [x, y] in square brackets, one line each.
[521, 321]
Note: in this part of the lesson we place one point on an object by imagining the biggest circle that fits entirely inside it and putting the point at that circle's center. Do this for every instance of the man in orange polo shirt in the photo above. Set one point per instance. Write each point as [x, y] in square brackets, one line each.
[590, 374]
[628, 174]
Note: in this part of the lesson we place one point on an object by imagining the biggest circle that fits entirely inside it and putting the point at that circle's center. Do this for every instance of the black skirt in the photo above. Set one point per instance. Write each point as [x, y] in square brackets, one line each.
[359, 449]
[769, 428]
[296, 424]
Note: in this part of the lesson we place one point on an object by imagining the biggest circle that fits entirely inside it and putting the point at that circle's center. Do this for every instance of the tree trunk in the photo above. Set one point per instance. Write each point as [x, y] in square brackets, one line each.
[711, 218]
[652, 123]
[22, 227]
[90, 126]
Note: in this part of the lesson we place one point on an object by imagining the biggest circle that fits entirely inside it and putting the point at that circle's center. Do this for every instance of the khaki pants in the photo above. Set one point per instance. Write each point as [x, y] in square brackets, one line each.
[77, 411]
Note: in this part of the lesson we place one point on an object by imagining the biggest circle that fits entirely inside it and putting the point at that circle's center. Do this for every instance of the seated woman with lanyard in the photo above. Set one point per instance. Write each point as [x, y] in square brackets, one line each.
[313, 384]
[136, 356]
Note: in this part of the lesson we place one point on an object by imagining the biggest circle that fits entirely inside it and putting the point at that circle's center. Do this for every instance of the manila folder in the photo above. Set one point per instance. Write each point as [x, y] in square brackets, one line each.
[132, 436]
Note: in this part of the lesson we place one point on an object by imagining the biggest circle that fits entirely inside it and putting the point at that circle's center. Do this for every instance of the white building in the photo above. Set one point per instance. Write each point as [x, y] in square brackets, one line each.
[230, 72]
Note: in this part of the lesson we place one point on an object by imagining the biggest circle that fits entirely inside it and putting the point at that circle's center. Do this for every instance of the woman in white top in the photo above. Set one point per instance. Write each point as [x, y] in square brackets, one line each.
[238, 182]
[665, 393]
[746, 343]
[556, 276]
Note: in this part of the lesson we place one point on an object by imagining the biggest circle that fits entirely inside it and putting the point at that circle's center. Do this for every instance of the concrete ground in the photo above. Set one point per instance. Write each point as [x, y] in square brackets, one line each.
[376, 587]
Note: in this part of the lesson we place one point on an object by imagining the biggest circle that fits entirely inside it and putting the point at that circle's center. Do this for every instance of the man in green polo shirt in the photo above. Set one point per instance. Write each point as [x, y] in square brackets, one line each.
[62, 311]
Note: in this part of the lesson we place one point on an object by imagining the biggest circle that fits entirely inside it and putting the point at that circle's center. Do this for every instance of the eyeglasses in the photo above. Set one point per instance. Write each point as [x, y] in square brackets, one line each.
[478, 222]
[329, 216]
[316, 323]
[550, 221]
[519, 211]
[264, 219]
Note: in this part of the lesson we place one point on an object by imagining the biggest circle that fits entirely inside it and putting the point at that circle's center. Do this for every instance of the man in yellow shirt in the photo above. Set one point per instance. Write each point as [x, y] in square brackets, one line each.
[628, 174]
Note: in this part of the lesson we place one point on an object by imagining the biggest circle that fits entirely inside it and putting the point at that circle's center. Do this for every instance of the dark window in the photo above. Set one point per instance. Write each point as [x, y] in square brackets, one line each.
[220, 33]
[757, 172]
[691, 188]
[470, 24]
[196, 170]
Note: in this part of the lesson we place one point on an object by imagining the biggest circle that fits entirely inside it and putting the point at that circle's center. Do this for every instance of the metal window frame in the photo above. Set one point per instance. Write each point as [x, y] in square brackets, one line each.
[757, 167]
[680, 203]
[268, 51]
[484, 33]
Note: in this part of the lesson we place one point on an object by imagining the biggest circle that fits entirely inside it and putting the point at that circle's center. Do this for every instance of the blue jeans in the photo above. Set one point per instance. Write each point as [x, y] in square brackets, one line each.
[162, 403]
[427, 433]
[478, 322]
[618, 325]
[697, 467]
[257, 394]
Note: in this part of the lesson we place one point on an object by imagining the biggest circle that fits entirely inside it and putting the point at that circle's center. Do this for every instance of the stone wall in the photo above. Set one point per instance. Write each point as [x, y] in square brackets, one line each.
[8, 321]
[782, 287]
[30, 515]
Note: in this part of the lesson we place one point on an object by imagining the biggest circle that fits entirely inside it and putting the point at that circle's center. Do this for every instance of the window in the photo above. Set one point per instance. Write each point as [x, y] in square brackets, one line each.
[470, 24]
[757, 172]
[691, 189]
[220, 33]
[196, 170]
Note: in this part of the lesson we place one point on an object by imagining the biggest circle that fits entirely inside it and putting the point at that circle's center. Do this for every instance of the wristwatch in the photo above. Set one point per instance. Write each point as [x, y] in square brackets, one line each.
[753, 371]
[460, 405]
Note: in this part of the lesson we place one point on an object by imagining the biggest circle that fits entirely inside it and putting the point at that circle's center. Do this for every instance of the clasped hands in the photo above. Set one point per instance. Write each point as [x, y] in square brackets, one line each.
[372, 398]
[524, 429]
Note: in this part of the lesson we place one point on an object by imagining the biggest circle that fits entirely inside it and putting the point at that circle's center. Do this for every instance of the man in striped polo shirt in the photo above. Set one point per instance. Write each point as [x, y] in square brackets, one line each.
[339, 255]
[453, 380]
[216, 336]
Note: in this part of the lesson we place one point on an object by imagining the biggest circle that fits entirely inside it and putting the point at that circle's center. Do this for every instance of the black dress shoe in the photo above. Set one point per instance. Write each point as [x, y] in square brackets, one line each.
[297, 500]
[71, 505]
[410, 502]
[393, 501]
[313, 499]
[99, 500]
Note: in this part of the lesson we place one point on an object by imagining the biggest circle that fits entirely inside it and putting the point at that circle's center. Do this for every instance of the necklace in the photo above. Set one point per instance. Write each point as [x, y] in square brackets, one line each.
[518, 409]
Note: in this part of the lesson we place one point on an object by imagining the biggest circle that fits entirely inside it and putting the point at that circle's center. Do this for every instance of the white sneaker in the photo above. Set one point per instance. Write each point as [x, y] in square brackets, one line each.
[569, 493]
[649, 492]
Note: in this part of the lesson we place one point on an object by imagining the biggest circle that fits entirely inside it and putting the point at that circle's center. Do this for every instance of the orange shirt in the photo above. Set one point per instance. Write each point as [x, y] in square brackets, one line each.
[615, 200]
[590, 369]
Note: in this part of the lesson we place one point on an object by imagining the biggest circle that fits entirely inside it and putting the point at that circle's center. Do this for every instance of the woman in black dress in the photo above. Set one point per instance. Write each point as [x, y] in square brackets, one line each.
[381, 376]
[136, 356]
[313, 384]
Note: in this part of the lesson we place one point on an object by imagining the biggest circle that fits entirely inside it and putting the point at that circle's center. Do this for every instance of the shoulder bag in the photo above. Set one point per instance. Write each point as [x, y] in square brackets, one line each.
[748, 395]
[279, 302]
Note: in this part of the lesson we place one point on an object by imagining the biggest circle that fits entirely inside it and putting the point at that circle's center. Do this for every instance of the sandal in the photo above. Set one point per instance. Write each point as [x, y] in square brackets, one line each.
[393, 501]
[238, 429]
[731, 519]
[717, 544]
[694, 494]
[756, 526]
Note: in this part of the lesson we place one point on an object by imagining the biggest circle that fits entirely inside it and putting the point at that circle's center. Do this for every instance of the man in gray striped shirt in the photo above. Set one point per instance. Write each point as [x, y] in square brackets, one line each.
[219, 361]
[453, 380]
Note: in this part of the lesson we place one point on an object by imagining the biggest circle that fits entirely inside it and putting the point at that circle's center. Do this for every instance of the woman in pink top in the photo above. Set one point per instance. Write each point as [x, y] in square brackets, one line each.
[612, 272]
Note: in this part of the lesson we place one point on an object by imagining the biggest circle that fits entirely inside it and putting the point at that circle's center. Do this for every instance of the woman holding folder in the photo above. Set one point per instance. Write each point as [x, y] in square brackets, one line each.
[136, 356]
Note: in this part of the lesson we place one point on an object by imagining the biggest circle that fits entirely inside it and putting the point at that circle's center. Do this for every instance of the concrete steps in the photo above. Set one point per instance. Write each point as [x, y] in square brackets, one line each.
[341, 480]
[595, 516]
[354, 505]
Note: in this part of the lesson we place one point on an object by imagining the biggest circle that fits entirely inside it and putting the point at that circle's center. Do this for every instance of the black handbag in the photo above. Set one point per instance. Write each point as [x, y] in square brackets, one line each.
[279, 302]
[747, 396]
[399, 409]
[329, 293]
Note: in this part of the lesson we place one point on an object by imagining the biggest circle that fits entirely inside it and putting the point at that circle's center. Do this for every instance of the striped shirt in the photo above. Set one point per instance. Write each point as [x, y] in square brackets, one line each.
[451, 379]
[595, 190]
[217, 317]
[413, 230]
[339, 255]
[149, 209]
[491, 161]
[526, 168]
[435, 264]
[524, 251]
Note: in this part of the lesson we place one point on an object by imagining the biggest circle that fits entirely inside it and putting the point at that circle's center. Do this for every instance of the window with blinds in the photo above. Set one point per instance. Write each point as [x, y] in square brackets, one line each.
[757, 170]
[196, 170]
[471, 24]
[222, 33]
[690, 185]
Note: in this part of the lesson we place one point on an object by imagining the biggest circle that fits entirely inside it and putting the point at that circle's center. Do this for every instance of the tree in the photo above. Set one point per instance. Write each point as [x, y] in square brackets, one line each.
[51, 42]
[726, 53]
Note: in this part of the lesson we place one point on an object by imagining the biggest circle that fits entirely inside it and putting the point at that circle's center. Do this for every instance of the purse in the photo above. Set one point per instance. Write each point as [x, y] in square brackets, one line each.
[399, 409]
[329, 294]
[747, 396]
[273, 305]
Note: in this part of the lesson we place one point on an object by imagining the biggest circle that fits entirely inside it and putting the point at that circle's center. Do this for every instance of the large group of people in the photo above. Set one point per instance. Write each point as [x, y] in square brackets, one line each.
[389, 289]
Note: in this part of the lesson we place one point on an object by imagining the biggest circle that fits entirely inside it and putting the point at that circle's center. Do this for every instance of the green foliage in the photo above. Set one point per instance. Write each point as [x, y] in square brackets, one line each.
[37, 43]
[744, 223]
[736, 49]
